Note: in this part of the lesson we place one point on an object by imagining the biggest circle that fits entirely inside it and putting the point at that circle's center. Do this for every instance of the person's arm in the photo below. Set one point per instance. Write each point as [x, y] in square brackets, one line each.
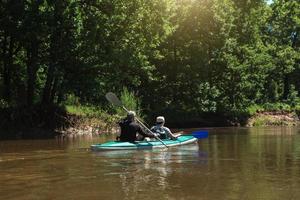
[152, 129]
[121, 122]
[156, 131]
[173, 136]
[143, 132]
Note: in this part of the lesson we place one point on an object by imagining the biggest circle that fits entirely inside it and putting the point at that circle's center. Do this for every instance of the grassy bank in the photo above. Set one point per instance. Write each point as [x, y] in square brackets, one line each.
[88, 120]
[48, 121]
[278, 114]
[275, 114]
[40, 121]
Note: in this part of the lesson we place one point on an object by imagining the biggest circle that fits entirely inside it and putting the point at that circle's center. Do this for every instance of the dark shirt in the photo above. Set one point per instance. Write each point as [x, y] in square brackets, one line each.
[129, 129]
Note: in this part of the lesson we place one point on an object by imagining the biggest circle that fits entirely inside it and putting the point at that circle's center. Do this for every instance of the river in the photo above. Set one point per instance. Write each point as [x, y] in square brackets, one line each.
[232, 163]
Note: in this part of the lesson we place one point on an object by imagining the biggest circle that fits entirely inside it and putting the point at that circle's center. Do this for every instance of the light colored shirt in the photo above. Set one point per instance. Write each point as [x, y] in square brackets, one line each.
[164, 132]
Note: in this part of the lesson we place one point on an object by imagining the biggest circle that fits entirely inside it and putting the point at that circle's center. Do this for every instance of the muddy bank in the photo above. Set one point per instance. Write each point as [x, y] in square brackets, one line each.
[275, 118]
[41, 122]
[79, 125]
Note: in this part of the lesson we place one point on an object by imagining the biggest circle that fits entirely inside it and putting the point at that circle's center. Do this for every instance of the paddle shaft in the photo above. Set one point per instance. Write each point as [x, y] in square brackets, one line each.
[145, 127]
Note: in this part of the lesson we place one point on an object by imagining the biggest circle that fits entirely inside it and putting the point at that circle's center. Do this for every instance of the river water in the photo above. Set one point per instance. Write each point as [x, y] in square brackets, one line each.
[232, 163]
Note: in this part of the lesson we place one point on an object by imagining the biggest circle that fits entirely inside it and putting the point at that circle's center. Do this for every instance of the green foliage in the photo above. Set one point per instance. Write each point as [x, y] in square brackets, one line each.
[253, 109]
[91, 112]
[273, 91]
[206, 99]
[82, 110]
[293, 97]
[3, 104]
[71, 99]
[190, 56]
[269, 121]
[272, 107]
[277, 107]
[297, 109]
[130, 102]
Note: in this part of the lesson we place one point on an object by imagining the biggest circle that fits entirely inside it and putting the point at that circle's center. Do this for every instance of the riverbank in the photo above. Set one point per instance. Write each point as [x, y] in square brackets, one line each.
[41, 122]
[259, 118]
[277, 118]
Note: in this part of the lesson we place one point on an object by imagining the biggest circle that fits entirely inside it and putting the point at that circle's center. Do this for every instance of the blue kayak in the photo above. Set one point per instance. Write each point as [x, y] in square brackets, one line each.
[117, 145]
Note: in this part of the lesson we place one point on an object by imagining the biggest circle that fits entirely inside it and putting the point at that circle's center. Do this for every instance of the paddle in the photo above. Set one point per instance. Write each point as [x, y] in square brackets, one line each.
[112, 98]
[197, 134]
[200, 134]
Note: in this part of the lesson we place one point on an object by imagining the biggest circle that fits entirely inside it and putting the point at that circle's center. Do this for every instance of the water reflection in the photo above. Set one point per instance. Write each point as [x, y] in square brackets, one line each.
[233, 163]
[144, 170]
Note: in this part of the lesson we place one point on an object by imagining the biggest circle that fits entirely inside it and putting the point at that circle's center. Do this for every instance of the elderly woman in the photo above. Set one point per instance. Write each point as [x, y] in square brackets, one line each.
[161, 131]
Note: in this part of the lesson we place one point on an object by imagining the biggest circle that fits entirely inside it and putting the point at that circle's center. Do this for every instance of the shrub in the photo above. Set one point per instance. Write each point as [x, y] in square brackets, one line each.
[131, 102]
[251, 110]
[277, 107]
[292, 97]
[3, 104]
[71, 99]
[297, 109]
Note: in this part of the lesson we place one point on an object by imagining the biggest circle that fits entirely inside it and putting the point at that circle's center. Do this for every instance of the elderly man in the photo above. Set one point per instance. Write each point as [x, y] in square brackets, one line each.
[130, 129]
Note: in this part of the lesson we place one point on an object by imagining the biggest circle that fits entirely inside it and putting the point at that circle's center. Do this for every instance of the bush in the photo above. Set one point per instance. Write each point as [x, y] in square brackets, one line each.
[71, 99]
[292, 97]
[277, 107]
[271, 107]
[91, 112]
[253, 109]
[130, 102]
[297, 109]
[3, 104]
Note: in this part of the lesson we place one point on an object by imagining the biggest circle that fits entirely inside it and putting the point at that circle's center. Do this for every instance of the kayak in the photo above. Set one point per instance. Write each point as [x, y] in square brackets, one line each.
[117, 145]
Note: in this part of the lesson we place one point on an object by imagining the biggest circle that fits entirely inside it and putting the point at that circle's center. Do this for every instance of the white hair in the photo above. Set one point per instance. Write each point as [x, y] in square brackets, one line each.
[160, 119]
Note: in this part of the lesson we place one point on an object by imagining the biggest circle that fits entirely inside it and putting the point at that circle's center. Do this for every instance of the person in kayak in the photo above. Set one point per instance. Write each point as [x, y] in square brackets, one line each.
[161, 131]
[130, 130]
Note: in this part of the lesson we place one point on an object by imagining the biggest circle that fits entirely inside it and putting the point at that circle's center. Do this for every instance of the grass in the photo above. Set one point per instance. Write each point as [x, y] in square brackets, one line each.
[87, 117]
[266, 120]
[84, 111]
[272, 107]
[276, 114]
[91, 112]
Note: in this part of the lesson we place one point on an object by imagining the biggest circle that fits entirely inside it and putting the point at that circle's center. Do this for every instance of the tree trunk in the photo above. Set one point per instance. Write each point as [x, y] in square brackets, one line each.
[32, 56]
[55, 53]
[286, 86]
[61, 88]
[5, 78]
[48, 85]
[54, 89]
[7, 65]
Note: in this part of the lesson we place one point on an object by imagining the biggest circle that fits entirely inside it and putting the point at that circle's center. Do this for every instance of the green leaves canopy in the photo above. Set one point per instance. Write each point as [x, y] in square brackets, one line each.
[186, 56]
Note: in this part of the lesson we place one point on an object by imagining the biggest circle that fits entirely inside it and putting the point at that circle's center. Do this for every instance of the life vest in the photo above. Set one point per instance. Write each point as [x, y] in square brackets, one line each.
[162, 131]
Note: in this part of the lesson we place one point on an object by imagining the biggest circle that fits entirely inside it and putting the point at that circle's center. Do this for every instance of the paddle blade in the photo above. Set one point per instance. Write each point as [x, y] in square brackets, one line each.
[200, 134]
[112, 98]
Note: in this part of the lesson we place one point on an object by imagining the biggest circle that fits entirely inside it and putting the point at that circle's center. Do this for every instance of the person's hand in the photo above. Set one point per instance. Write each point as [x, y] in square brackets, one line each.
[156, 135]
[174, 137]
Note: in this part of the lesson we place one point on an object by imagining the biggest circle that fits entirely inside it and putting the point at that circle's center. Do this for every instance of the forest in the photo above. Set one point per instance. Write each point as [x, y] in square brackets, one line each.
[180, 58]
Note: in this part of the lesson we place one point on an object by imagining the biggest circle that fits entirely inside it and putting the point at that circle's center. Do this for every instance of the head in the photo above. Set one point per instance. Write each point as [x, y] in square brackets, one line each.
[131, 115]
[160, 120]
